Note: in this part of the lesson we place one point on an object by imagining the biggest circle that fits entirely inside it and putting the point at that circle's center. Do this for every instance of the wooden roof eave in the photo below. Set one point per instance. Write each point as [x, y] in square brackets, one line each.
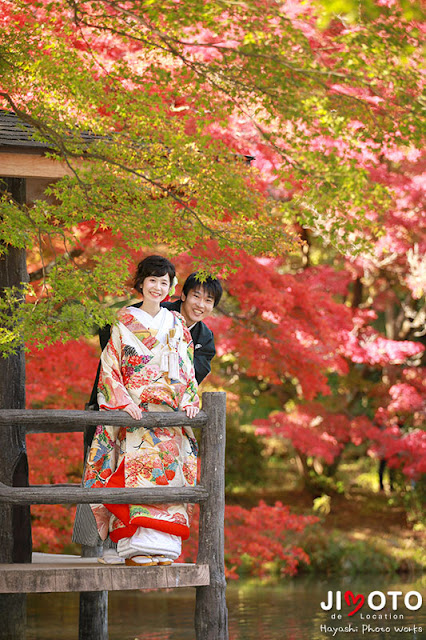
[25, 162]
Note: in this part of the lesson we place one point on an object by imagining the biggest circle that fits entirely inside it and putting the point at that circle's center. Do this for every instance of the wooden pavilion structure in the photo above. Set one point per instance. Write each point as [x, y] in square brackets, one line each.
[25, 173]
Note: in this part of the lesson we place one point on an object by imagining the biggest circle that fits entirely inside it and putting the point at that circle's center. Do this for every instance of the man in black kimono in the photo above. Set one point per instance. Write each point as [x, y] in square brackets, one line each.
[197, 301]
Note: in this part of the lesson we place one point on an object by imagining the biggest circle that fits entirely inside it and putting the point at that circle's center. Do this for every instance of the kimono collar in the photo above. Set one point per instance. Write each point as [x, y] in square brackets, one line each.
[186, 332]
[138, 329]
[131, 323]
[135, 326]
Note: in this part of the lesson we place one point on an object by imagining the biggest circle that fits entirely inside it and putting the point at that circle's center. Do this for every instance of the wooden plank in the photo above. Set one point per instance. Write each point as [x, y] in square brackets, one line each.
[211, 613]
[50, 420]
[33, 165]
[88, 576]
[51, 494]
[38, 557]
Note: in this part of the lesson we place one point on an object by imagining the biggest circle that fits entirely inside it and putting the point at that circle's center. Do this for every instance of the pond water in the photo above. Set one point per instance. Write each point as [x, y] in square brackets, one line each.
[290, 610]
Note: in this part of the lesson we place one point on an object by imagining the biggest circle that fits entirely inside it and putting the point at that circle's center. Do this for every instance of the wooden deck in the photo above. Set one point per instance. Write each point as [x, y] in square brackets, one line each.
[52, 573]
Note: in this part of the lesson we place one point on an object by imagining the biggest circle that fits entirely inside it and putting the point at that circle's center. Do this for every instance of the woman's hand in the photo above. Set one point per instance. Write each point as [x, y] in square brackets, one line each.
[133, 410]
[191, 411]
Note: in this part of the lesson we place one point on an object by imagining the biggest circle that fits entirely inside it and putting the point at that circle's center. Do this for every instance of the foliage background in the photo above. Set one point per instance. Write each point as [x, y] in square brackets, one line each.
[278, 145]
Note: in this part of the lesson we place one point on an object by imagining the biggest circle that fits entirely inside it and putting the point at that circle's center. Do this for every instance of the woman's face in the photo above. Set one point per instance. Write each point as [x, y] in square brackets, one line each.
[156, 288]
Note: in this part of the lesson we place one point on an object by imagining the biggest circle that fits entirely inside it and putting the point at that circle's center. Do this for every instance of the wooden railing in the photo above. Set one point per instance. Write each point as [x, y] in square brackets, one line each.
[211, 611]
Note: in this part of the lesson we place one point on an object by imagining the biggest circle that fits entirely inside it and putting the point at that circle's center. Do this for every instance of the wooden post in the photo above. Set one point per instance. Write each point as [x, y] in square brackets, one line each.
[211, 614]
[15, 522]
[93, 619]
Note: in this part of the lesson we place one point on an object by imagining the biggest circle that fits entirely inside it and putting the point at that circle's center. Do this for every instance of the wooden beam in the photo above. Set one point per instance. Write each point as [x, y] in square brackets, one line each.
[63, 576]
[56, 421]
[33, 165]
[51, 494]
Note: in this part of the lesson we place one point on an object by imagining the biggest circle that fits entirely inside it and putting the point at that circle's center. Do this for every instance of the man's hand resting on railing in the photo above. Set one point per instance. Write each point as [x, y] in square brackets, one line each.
[136, 412]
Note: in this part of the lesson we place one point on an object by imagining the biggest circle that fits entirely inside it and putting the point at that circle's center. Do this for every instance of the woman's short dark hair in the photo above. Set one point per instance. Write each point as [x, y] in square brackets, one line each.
[210, 285]
[153, 266]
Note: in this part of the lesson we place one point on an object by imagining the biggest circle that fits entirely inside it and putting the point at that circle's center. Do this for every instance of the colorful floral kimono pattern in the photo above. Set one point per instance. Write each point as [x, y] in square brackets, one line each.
[131, 371]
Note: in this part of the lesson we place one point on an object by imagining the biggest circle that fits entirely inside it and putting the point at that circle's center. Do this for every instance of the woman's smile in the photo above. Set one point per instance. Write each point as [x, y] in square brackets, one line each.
[156, 288]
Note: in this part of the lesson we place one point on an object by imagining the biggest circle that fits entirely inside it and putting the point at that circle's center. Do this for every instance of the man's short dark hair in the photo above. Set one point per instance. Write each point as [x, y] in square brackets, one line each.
[153, 266]
[210, 285]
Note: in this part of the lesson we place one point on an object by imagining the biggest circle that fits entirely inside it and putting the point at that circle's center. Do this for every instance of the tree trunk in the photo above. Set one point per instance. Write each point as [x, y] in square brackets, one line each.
[302, 467]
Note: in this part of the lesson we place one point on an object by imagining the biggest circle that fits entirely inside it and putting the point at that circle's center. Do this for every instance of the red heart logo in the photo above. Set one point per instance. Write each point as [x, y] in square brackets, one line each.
[351, 599]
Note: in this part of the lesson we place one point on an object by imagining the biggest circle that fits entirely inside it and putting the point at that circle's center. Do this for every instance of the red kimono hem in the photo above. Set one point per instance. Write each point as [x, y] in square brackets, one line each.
[122, 512]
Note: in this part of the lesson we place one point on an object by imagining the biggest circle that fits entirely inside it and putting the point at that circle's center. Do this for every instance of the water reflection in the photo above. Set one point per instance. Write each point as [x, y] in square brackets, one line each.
[289, 611]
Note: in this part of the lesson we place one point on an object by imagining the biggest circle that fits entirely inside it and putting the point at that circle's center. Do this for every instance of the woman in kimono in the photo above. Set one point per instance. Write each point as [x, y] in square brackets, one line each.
[146, 366]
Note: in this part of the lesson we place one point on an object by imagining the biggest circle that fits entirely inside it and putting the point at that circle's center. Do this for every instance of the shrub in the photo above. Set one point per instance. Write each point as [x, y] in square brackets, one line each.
[258, 541]
[335, 554]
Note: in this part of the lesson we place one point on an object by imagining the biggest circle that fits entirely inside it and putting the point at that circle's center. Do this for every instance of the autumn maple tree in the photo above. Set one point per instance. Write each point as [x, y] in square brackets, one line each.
[276, 144]
[154, 107]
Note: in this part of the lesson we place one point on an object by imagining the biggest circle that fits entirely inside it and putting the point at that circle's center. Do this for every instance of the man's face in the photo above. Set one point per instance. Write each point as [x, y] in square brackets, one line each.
[197, 305]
